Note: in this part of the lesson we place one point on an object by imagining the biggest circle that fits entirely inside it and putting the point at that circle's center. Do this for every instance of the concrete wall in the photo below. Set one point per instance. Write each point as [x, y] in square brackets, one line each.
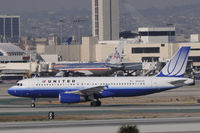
[157, 39]
[135, 57]
[50, 57]
[102, 51]
[194, 38]
[40, 48]
[73, 52]
[88, 50]
[19, 66]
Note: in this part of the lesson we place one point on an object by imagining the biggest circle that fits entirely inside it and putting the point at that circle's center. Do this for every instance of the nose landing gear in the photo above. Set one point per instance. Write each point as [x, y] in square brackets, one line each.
[33, 103]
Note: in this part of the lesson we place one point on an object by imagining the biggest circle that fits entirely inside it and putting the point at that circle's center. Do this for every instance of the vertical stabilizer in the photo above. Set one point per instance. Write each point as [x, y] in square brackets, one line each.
[115, 58]
[177, 65]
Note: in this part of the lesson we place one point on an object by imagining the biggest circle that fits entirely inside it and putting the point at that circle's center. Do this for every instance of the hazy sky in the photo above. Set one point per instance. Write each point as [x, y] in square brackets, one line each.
[38, 5]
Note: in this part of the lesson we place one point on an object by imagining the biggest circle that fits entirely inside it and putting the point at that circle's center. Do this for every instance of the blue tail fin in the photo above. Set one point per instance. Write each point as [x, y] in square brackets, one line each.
[177, 65]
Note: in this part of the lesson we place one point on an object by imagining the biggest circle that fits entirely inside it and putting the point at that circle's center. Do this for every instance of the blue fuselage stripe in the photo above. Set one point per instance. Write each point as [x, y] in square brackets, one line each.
[111, 92]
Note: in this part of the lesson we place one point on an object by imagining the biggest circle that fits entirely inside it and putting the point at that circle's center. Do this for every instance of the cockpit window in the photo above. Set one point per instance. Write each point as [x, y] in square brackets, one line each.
[19, 84]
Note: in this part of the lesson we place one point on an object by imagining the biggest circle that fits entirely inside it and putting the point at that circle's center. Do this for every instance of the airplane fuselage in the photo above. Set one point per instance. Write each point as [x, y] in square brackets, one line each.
[93, 68]
[113, 86]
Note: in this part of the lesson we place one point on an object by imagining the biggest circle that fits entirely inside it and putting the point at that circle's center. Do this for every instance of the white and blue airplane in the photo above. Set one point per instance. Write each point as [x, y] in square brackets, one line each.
[82, 89]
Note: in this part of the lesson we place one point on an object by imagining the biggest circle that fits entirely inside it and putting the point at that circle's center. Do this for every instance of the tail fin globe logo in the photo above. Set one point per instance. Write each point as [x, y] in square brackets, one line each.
[177, 65]
[43, 81]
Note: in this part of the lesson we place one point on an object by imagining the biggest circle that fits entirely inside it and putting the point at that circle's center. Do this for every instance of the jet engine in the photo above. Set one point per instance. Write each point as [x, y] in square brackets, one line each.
[71, 98]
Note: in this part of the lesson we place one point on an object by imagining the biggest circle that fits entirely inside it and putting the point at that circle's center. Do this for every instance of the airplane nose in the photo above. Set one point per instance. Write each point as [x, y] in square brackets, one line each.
[12, 91]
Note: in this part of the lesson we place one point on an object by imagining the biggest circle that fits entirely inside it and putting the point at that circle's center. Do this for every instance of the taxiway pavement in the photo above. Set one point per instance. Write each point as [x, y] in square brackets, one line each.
[153, 125]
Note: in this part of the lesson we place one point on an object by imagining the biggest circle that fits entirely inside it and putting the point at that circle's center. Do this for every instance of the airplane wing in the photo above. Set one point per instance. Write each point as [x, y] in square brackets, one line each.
[117, 66]
[79, 72]
[89, 91]
[84, 72]
[126, 66]
[132, 66]
[177, 82]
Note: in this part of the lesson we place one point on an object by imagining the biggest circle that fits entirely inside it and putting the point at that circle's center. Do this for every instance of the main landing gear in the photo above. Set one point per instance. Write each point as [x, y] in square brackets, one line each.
[33, 103]
[95, 103]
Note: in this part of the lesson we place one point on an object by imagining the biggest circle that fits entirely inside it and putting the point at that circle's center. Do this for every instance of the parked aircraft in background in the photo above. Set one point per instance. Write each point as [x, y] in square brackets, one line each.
[82, 89]
[111, 65]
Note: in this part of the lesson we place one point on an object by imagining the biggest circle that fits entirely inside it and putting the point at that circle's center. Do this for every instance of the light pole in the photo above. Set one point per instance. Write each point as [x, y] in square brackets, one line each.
[78, 23]
[170, 32]
[34, 29]
[61, 27]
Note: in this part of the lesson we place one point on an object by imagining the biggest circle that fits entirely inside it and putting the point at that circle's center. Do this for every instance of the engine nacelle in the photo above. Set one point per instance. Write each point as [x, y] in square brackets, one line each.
[71, 98]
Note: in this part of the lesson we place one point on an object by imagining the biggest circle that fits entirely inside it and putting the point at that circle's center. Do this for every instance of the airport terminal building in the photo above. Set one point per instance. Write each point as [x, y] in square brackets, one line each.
[153, 44]
[11, 53]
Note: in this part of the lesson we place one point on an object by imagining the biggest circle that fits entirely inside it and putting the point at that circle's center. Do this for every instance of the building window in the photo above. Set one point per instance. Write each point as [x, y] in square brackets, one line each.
[162, 45]
[145, 50]
[150, 59]
[1, 28]
[157, 33]
[195, 49]
[195, 58]
[15, 26]
[8, 27]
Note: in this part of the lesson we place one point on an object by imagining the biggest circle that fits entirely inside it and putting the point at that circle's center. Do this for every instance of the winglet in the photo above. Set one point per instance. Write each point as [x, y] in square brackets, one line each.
[177, 65]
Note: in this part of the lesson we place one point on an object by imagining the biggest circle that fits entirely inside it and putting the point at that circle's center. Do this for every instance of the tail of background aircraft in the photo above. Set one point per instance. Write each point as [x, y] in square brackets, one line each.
[115, 58]
[177, 65]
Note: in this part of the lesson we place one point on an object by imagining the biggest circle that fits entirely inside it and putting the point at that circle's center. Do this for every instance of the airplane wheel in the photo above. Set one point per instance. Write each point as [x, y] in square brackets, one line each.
[33, 105]
[93, 104]
[98, 103]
